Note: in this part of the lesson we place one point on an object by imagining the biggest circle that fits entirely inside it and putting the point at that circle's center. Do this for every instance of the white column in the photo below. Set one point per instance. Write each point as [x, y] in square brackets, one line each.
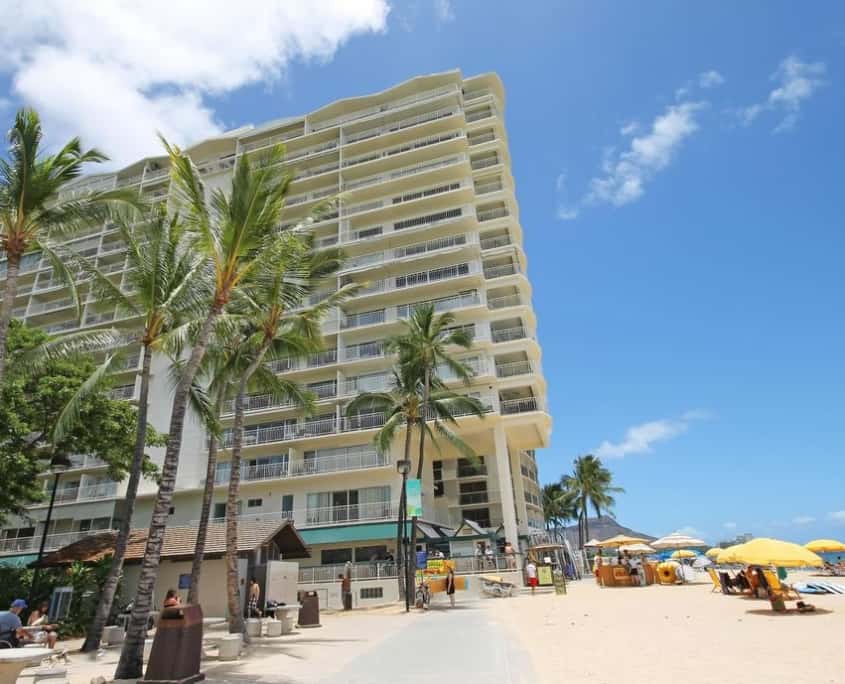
[505, 484]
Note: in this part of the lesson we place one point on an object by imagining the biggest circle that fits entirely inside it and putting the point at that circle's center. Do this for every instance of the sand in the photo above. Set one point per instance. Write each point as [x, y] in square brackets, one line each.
[674, 634]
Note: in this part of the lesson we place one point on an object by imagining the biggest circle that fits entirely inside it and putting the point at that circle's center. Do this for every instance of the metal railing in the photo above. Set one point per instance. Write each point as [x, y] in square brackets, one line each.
[481, 139]
[365, 350]
[508, 370]
[43, 307]
[504, 301]
[410, 170]
[487, 188]
[417, 144]
[357, 320]
[379, 510]
[122, 392]
[305, 429]
[490, 214]
[508, 334]
[443, 304]
[272, 140]
[492, 272]
[523, 405]
[402, 124]
[54, 541]
[355, 386]
[495, 242]
[470, 498]
[484, 162]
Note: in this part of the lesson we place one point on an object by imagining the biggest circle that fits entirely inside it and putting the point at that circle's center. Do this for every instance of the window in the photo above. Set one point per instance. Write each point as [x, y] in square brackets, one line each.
[472, 493]
[366, 554]
[254, 503]
[287, 505]
[437, 470]
[480, 516]
[372, 592]
[474, 468]
[335, 556]
[219, 511]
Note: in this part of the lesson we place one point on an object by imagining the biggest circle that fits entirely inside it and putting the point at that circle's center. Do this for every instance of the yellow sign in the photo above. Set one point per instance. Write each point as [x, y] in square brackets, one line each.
[544, 576]
[440, 566]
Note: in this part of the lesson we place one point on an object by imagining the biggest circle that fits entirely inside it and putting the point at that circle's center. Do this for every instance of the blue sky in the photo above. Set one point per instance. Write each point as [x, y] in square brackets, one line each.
[678, 170]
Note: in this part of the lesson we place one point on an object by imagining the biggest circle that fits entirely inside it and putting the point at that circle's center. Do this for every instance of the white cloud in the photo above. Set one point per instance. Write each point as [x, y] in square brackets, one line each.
[116, 72]
[710, 79]
[630, 128]
[837, 516]
[797, 81]
[640, 439]
[565, 212]
[626, 174]
[690, 531]
[443, 11]
[729, 525]
[803, 520]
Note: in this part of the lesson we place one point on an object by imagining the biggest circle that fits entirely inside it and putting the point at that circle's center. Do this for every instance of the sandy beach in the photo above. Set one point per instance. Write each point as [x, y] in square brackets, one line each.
[674, 634]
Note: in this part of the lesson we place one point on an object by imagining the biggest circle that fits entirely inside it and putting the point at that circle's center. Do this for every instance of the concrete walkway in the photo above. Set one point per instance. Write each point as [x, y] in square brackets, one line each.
[464, 644]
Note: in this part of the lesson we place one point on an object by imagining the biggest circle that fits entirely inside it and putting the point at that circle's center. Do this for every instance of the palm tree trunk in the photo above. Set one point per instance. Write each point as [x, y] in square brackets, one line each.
[586, 523]
[131, 661]
[205, 514]
[95, 632]
[9, 293]
[421, 459]
[403, 506]
[236, 613]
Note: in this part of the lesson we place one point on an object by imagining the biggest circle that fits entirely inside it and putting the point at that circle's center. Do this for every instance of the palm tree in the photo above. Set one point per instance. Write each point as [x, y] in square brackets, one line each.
[423, 346]
[292, 271]
[33, 214]
[165, 292]
[403, 407]
[592, 485]
[231, 231]
[559, 506]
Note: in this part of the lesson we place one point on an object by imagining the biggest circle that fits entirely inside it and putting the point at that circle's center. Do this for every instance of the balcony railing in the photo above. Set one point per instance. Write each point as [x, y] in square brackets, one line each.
[410, 170]
[395, 126]
[308, 467]
[357, 320]
[417, 144]
[495, 242]
[472, 498]
[503, 302]
[355, 386]
[366, 350]
[123, 392]
[484, 162]
[491, 272]
[379, 510]
[445, 304]
[78, 461]
[508, 370]
[43, 307]
[523, 405]
[481, 139]
[487, 188]
[102, 490]
[508, 334]
[53, 542]
[490, 214]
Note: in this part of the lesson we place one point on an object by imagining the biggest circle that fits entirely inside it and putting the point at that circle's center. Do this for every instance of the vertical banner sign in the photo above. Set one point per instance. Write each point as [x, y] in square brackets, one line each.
[414, 493]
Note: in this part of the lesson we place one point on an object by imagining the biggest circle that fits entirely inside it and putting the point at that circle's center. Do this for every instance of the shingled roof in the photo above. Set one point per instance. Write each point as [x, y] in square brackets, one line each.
[179, 543]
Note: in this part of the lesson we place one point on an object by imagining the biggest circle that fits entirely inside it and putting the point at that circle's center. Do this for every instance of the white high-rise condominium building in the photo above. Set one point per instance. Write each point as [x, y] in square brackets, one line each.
[429, 214]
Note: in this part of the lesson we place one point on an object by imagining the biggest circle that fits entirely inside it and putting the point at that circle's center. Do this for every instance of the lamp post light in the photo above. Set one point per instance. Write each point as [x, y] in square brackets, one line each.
[403, 467]
[59, 463]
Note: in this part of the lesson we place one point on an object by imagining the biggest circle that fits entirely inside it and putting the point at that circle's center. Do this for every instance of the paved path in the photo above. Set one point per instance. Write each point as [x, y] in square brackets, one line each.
[463, 645]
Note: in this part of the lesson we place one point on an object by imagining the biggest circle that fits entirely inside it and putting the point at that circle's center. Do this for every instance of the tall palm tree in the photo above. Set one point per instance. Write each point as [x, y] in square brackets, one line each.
[33, 214]
[559, 506]
[165, 292]
[231, 231]
[424, 345]
[291, 272]
[592, 484]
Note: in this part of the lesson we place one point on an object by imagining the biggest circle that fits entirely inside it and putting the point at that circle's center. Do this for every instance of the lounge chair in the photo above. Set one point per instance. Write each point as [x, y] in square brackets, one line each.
[725, 583]
[717, 584]
[786, 592]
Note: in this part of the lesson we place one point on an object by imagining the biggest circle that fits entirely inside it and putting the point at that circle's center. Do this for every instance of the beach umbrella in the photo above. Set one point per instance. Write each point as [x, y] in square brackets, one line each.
[683, 553]
[825, 546]
[713, 553]
[636, 549]
[677, 540]
[724, 555]
[620, 540]
[765, 551]
[592, 542]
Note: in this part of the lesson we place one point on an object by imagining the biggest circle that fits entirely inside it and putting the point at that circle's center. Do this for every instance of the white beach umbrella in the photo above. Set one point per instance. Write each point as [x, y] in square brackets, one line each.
[677, 540]
[636, 549]
[592, 542]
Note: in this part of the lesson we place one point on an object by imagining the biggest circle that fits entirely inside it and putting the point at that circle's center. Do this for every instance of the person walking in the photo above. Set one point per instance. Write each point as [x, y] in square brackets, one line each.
[450, 586]
[346, 591]
[531, 572]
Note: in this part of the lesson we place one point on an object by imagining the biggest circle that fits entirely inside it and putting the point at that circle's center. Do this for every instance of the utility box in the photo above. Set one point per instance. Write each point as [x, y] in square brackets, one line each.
[177, 647]
[280, 583]
[309, 613]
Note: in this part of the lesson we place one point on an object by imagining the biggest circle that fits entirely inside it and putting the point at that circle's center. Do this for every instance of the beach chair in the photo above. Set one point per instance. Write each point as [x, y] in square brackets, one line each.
[776, 587]
[717, 584]
[725, 583]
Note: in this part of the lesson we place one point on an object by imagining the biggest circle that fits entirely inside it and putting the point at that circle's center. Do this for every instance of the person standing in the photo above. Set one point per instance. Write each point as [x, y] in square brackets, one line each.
[488, 555]
[254, 596]
[450, 586]
[531, 572]
[510, 555]
[346, 591]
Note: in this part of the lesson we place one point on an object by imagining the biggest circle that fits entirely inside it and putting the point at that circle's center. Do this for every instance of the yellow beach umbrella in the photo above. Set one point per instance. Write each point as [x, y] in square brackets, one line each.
[765, 551]
[684, 553]
[725, 555]
[825, 546]
[712, 553]
[620, 540]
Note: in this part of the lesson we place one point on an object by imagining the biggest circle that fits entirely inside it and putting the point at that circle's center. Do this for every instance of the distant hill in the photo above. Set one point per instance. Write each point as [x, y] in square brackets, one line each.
[604, 527]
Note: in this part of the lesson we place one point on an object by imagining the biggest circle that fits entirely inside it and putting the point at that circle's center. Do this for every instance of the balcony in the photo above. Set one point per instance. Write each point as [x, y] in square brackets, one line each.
[473, 498]
[484, 162]
[473, 140]
[412, 224]
[425, 117]
[366, 350]
[333, 515]
[491, 214]
[318, 465]
[358, 320]
[54, 305]
[102, 490]
[317, 360]
[262, 402]
[500, 271]
[504, 301]
[509, 370]
[355, 386]
[487, 188]
[405, 281]
[417, 144]
[521, 405]
[53, 541]
[403, 172]
[508, 334]
[124, 392]
[79, 462]
[495, 242]
[399, 200]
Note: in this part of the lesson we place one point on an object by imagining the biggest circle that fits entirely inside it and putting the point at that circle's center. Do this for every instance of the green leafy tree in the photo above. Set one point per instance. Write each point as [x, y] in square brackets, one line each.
[591, 484]
[165, 292]
[559, 506]
[231, 231]
[34, 216]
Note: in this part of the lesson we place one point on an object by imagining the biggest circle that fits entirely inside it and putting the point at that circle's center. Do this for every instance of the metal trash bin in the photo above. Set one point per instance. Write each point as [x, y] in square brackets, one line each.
[309, 611]
[177, 647]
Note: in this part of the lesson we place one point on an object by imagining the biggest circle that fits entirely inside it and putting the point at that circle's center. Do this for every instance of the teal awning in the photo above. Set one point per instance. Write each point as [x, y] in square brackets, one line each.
[350, 533]
[18, 561]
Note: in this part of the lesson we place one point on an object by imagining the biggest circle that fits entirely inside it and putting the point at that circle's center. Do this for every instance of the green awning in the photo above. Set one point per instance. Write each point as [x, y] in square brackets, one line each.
[18, 561]
[349, 533]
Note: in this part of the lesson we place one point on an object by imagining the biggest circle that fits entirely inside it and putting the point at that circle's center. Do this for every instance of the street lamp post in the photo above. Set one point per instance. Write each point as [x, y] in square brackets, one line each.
[403, 467]
[58, 464]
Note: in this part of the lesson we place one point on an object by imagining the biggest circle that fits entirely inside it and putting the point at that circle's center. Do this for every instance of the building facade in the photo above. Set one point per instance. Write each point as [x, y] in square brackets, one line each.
[428, 214]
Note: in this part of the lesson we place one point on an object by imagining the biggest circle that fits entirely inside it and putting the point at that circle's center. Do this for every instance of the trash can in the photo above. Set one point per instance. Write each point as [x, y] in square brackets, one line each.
[177, 647]
[309, 611]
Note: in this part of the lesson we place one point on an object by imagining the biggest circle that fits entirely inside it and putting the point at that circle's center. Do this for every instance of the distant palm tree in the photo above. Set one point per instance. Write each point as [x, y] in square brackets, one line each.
[232, 231]
[559, 506]
[165, 292]
[34, 215]
[592, 485]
